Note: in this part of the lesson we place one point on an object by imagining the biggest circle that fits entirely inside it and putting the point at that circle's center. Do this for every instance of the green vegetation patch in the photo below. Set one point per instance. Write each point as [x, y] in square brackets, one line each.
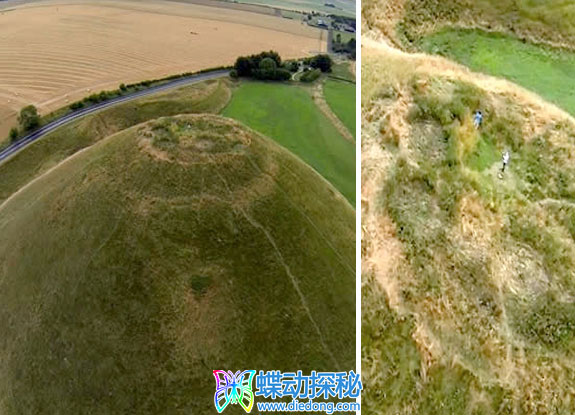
[549, 321]
[200, 283]
[390, 351]
[288, 115]
[544, 70]
[485, 154]
[340, 96]
[342, 70]
[310, 76]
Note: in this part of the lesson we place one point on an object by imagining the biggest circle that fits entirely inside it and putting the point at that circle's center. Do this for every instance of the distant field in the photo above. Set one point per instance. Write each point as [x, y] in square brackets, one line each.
[345, 36]
[52, 54]
[546, 71]
[340, 96]
[288, 115]
[289, 14]
[342, 7]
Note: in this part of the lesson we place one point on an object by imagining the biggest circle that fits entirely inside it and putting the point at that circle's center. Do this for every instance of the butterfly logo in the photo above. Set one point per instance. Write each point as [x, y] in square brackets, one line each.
[233, 388]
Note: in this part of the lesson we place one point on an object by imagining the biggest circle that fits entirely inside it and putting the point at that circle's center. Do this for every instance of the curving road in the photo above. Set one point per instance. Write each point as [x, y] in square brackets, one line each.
[75, 115]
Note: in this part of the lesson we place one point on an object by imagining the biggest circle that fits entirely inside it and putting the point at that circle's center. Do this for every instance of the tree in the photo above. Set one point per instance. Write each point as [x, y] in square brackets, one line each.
[267, 68]
[322, 62]
[243, 66]
[338, 38]
[29, 118]
[293, 66]
[265, 65]
[282, 75]
[14, 134]
[234, 74]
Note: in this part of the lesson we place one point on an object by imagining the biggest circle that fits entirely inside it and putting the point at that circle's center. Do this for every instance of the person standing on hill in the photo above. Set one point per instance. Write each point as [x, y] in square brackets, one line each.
[505, 158]
[477, 119]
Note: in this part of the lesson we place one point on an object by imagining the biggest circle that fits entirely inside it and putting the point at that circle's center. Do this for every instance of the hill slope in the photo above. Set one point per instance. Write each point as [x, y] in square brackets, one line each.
[406, 21]
[469, 278]
[133, 269]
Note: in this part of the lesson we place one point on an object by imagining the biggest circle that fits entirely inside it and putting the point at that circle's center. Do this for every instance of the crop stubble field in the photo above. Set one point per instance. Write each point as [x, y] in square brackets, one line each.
[53, 53]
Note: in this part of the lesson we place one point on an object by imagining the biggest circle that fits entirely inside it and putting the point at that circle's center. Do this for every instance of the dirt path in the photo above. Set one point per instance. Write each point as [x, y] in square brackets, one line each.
[322, 104]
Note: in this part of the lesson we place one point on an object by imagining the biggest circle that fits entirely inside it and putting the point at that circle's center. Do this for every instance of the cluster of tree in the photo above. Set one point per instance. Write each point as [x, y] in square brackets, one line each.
[28, 120]
[343, 20]
[344, 47]
[264, 66]
[95, 98]
[321, 62]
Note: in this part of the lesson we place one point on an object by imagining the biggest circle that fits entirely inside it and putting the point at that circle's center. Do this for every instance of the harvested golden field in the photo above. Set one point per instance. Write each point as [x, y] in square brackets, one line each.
[53, 53]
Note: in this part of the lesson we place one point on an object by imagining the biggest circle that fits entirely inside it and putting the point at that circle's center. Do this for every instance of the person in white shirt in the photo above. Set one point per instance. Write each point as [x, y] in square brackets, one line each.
[506, 157]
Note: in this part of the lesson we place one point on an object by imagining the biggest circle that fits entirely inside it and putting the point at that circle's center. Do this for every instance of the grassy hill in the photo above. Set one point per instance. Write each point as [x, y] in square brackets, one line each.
[549, 21]
[186, 244]
[469, 278]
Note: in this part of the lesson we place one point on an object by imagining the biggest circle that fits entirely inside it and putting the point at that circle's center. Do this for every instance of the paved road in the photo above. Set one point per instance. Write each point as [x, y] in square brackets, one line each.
[73, 116]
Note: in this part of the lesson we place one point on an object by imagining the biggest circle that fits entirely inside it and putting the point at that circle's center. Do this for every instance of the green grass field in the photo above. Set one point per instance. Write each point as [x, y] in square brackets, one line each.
[341, 70]
[288, 115]
[345, 36]
[340, 96]
[205, 97]
[546, 71]
[290, 14]
[163, 252]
